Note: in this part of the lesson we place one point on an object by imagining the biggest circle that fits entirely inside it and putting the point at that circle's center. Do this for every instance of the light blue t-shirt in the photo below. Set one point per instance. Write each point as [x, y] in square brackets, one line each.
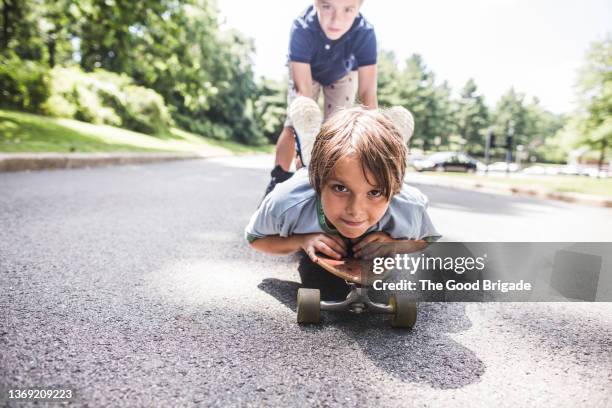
[293, 207]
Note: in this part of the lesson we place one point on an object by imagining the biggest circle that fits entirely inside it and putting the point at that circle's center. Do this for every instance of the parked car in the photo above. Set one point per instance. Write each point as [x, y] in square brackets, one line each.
[414, 157]
[571, 170]
[537, 170]
[447, 161]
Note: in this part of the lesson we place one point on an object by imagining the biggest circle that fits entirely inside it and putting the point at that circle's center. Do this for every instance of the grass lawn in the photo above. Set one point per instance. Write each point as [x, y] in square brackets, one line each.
[22, 132]
[574, 184]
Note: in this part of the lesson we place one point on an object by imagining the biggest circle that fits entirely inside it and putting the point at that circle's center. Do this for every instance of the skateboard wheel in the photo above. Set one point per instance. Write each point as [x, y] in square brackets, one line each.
[405, 312]
[308, 305]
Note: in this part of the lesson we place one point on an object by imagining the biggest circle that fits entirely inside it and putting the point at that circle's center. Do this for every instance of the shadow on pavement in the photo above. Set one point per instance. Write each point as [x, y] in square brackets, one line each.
[426, 354]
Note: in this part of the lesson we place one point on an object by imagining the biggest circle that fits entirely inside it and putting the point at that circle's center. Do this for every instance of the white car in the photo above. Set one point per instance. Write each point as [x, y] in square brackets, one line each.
[502, 166]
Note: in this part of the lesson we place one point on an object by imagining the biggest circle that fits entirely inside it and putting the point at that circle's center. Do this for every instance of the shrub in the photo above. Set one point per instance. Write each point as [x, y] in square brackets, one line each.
[104, 97]
[204, 127]
[23, 84]
[62, 102]
[144, 110]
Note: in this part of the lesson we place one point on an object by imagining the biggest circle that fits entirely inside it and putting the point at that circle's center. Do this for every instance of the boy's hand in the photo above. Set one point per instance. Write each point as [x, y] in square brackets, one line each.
[330, 245]
[373, 245]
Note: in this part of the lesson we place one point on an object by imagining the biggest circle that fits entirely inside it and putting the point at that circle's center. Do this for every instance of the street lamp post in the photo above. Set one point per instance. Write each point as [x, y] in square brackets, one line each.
[489, 144]
[509, 140]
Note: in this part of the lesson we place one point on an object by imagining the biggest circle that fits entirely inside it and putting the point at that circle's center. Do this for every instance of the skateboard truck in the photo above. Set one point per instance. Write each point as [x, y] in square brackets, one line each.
[403, 310]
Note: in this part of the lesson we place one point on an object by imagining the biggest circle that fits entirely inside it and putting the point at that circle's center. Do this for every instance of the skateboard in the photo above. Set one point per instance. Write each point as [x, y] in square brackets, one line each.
[359, 275]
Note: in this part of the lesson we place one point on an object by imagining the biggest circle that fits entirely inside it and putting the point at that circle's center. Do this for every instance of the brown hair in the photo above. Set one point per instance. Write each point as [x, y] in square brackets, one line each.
[372, 137]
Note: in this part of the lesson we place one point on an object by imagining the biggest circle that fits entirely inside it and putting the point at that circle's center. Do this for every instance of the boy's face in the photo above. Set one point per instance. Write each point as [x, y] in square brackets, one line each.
[336, 16]
[349, 201]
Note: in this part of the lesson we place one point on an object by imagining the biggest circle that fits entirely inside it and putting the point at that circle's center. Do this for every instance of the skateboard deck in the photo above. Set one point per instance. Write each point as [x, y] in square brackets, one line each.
[350, 269]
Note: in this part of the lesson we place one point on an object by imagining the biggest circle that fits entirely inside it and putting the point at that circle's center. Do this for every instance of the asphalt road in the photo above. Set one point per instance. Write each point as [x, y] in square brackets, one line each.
[133, 285]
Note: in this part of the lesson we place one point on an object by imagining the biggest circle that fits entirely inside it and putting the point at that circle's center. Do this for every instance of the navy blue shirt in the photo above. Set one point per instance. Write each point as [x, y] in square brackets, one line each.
[331, 60]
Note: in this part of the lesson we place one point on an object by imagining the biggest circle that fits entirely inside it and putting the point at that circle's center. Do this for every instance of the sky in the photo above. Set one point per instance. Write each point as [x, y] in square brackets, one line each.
[535, 46]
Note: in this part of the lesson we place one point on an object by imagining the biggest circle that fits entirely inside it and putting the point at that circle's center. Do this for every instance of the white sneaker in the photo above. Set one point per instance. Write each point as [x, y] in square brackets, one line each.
[307, 118]
[403, 121]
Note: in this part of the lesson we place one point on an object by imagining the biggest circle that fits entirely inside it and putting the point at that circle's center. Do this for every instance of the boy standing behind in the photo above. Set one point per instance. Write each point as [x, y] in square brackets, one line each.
[332, 47]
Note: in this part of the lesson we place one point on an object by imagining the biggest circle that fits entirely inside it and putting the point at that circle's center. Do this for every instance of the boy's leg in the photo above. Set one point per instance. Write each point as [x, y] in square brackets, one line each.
[307, 118]
[315, 277]
[306, 115]
[285, 148]
[341, 94]
[292, 95]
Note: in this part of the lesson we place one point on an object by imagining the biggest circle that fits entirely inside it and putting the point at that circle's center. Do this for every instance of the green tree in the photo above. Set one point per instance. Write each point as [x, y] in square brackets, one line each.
[472, 117]
[19, 29]
[411, 87]
[57, 21]
[234, 104]
[510, 117]
[416, 92]
[414, 87]
[443, 123]
[39, 30]
[594, 119]
[109, 31]
[542, 126]
[388, 79]
[270, 107]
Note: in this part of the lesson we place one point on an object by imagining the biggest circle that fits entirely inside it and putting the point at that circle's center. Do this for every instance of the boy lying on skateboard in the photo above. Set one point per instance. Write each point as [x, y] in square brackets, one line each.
[349, 199]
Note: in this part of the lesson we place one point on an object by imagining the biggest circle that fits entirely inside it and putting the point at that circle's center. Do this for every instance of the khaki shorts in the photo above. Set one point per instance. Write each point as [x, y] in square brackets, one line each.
[340, 94]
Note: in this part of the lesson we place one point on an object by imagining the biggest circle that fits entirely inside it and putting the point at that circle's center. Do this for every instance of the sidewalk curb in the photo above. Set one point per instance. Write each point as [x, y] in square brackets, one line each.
[498, 188]
[10, 162]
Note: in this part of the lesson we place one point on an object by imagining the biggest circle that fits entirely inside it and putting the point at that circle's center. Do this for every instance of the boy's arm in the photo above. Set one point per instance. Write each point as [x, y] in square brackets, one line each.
[302, 78]
[368, 86]
[330, 245]
[278, 245]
